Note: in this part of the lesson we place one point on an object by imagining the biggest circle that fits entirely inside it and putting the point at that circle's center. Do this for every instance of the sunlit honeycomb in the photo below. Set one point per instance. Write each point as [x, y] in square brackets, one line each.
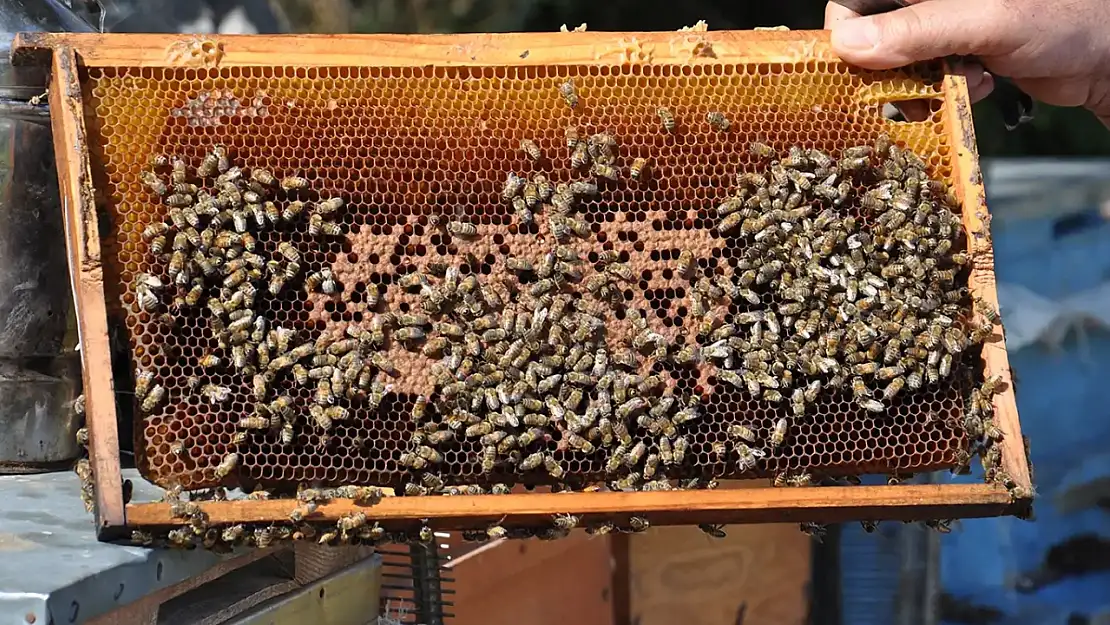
[403, 146]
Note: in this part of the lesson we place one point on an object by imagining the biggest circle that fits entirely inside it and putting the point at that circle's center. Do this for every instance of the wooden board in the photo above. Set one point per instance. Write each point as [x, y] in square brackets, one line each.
[768, 505]
[757, 574]
[87, 277]
[516, 49]
[535, 582]
[982, 283]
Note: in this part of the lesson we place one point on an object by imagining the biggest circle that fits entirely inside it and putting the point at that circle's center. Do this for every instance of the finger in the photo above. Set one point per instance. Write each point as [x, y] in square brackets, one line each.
[1057, 91]
[980, 86]
[836, 12]
[924, 31]
[913, 110]
[980, 83]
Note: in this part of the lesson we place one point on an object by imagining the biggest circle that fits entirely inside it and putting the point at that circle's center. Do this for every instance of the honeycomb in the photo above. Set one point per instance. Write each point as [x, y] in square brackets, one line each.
[410, 149]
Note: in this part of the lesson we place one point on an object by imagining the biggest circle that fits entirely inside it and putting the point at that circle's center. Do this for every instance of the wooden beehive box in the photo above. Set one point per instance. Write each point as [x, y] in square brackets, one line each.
[417, 132]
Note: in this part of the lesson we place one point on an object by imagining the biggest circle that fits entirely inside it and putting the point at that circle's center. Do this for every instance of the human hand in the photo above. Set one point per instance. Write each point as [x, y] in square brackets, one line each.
[1057, 51]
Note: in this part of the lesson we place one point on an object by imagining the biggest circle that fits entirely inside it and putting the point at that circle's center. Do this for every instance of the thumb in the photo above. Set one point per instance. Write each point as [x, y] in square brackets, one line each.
[924, 31]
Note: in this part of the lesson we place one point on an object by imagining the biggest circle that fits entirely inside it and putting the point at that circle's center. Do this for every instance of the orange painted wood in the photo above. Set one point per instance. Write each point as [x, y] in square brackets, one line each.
[982, 282]
[518, 49]
[87, 277]
[769, 505]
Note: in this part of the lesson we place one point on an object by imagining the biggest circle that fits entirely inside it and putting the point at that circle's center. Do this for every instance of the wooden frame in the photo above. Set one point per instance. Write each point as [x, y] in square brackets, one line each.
[66, 51]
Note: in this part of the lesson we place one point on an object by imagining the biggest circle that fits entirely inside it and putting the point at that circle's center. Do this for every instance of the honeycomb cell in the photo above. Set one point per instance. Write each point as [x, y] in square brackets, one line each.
[413, 153]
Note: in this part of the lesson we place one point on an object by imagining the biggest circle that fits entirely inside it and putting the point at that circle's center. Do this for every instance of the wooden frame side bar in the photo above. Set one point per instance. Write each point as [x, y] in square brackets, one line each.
[517, 49]
[732, 506]
[87, 278]
[982, 282]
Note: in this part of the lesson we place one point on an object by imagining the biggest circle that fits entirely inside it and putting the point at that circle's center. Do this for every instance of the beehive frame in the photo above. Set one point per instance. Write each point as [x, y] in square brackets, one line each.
[68, 54]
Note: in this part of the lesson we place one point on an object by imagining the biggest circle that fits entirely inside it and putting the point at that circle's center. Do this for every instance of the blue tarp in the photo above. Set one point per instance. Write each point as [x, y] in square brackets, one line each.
[1063, 396]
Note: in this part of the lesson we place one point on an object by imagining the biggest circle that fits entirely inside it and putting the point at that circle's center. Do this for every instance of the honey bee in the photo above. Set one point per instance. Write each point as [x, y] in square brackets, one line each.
[489, 459]
[294, 183]
[330, 286]
[328, 206]
[846, 165]
[718, 121]
[179, 172]
[292, 211]
[196, 292]
[531, 150]
[260, 385]
[255, 422]
[179, 201]
[271, 213]
[143, 379]
[216, 394]
[579, 157]
[741, 432]
[761, 150]
[227, 464]
[496, 532]
[315, 224]
[181, 538]
[530, 199]
[667, 118]
[679, 449]
[569, 93]
[987, 310]
[154, 183]
[155, 230]
[892, 389]
[320, 417]
[462, 229]
[154, 397]
[179, 447]
[419, 408]
[159, 161]
[716, 531]
[304, 510]
[552, 467]
[565, 521]
[992, 386]
[637, 168]
[351, 522]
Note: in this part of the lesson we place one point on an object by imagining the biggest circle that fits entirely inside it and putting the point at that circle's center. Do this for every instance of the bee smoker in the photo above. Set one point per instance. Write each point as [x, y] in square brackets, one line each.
[39, 366]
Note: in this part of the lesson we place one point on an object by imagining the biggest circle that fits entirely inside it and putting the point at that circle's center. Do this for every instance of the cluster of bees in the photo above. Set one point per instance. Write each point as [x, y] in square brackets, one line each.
[528, 361]
[849, 281]
[214, 260]
[869, 303]
[197, 531]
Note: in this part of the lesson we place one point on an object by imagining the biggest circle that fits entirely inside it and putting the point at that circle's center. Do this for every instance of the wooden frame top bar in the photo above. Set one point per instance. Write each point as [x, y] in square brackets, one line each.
[516, 49]
[727, 505]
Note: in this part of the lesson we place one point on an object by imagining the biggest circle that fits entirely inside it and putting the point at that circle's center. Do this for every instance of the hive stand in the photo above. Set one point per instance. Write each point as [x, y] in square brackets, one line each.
[55, 571]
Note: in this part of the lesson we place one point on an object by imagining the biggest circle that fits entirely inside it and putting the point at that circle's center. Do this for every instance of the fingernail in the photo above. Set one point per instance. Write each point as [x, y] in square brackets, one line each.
[859, 34]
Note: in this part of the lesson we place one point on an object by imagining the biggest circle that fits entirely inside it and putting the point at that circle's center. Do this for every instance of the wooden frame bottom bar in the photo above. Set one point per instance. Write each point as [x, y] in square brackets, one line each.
[729, 506]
